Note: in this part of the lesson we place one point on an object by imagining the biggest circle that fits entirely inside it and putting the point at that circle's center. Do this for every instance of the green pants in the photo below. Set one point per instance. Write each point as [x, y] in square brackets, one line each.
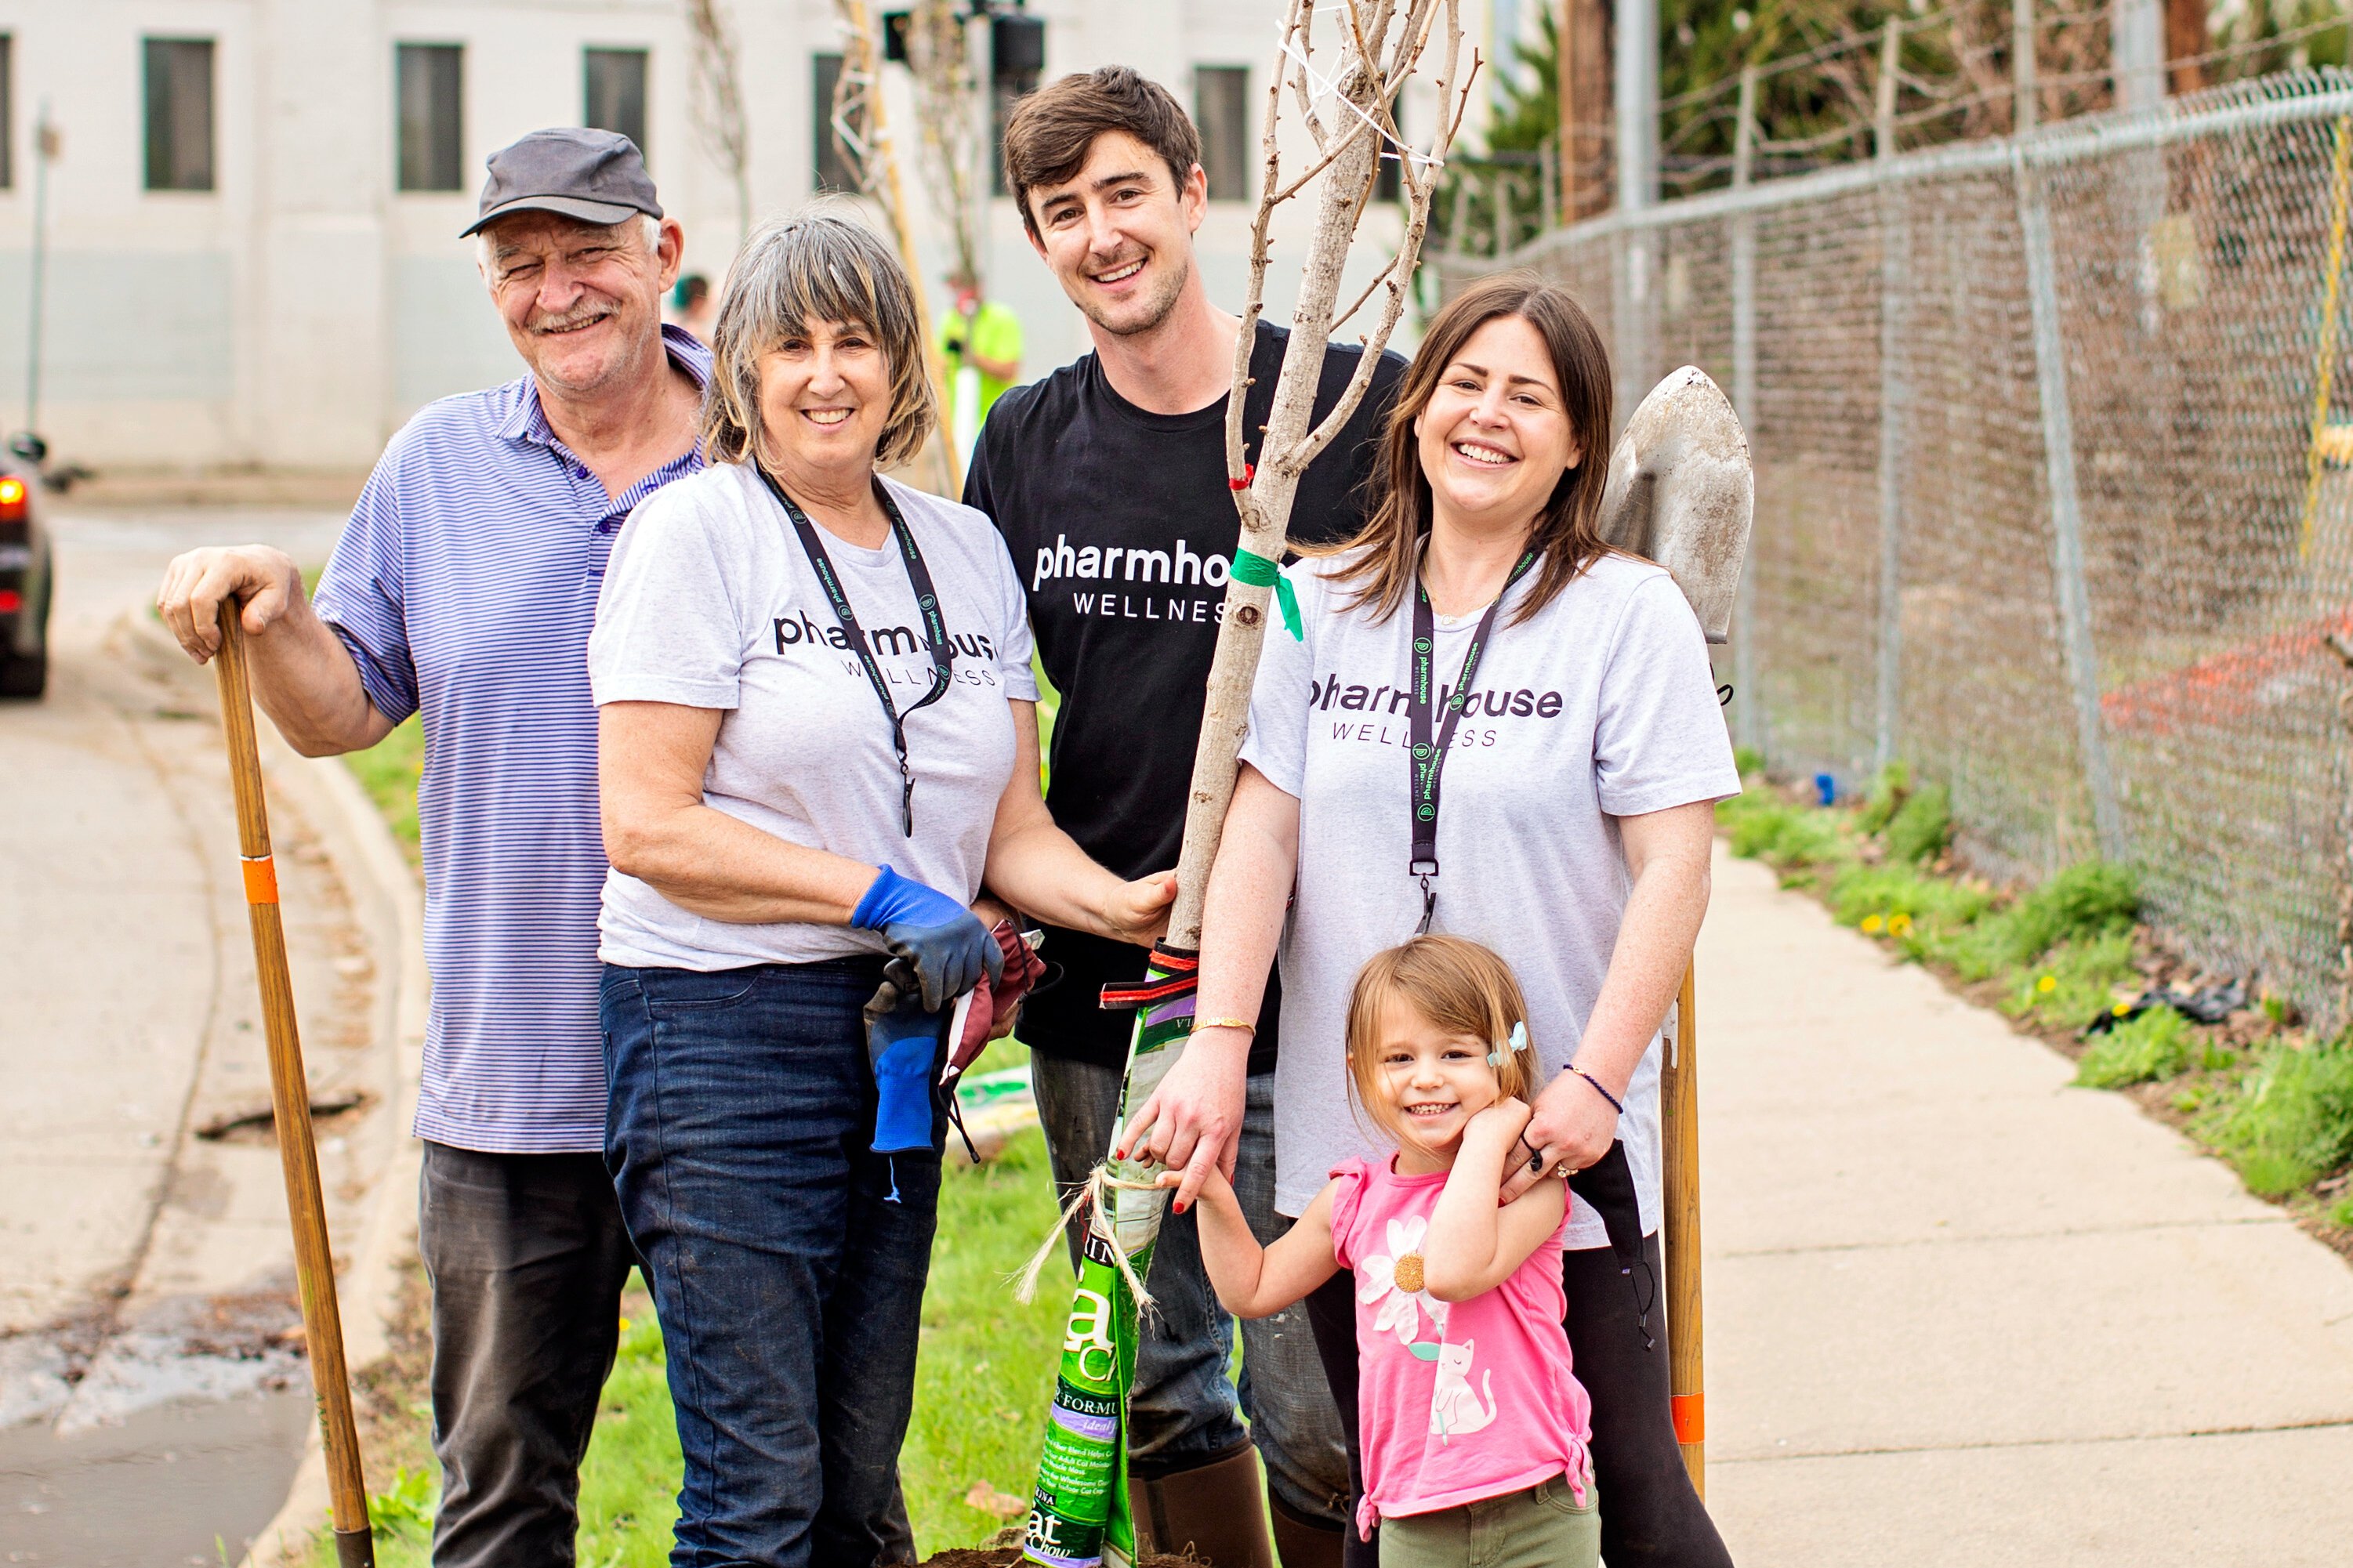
[1542, 1527]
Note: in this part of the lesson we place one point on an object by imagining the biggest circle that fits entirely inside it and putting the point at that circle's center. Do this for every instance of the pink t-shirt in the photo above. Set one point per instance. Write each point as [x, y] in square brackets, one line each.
[1454, 1402]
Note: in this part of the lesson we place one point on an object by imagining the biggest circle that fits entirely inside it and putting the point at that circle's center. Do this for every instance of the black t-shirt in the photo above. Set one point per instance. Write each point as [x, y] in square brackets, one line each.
[1123, 529]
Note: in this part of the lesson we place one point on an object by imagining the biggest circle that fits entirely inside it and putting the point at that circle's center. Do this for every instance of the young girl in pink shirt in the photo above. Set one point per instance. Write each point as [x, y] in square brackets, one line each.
[1473, 1428]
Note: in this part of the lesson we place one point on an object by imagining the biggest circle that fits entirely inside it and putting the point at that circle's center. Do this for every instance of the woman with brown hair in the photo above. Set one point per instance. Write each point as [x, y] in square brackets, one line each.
[1479, 635]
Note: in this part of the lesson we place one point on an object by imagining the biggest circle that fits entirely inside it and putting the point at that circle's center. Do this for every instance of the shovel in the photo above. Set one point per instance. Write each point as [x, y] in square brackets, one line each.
[289, 1094]
[1681, 491]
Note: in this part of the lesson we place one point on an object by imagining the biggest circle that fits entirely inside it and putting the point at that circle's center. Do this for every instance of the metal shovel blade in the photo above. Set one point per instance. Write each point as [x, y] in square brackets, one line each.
[1680, 492]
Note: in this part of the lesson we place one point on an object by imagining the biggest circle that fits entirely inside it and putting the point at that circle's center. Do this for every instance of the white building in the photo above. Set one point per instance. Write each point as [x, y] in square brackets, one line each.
[252, 217]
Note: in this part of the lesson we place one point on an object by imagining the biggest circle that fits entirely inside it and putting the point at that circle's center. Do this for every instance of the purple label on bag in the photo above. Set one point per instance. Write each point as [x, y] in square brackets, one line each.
[1169, 1011]
[1101, 1428]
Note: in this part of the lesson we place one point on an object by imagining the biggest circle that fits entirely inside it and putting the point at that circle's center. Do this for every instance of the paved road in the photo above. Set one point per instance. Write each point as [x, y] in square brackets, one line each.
[1960, 1313]
[146, 1277]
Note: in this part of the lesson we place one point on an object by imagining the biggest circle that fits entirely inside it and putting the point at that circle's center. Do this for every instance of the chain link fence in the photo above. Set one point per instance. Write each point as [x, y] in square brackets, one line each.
[2053, 500]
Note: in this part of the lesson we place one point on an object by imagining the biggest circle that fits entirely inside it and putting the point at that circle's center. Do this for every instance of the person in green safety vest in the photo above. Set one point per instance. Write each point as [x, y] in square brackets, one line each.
[980, 341]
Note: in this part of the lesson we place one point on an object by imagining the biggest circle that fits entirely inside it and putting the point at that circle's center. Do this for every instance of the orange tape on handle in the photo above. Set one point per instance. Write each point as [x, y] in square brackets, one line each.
[1691, 1417]
[260, 880]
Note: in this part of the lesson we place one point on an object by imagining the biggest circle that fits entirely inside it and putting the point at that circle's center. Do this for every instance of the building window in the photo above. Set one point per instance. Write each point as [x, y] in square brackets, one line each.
[429, 87]
[9, 111]
[614, 93]
[179, 115]
[1221, 110]
[1017, 58]
[831, 170]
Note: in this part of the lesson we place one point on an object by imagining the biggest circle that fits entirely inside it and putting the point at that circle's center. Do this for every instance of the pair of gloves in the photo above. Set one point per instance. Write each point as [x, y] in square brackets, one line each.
[939, 951]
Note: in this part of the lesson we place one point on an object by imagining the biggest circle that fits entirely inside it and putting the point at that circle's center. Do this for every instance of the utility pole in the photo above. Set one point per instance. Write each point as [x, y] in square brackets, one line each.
[1638, 190]
[45, 143]
[1638, 104]
[2186, 43]
[1585, 104]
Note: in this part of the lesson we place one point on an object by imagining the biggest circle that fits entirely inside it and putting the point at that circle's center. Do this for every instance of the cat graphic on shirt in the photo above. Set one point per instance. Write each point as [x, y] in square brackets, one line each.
[1454, 1407]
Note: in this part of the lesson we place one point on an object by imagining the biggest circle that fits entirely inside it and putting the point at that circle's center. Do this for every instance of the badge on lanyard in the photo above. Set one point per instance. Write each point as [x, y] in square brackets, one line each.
[927, 599]
[1427, 759]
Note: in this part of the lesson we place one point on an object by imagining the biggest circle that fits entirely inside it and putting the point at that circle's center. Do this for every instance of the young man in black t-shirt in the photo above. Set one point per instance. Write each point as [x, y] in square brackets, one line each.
[1108, 480]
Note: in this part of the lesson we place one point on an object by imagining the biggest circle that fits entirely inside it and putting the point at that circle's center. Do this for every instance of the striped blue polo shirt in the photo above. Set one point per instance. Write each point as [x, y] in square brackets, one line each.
[465, 586]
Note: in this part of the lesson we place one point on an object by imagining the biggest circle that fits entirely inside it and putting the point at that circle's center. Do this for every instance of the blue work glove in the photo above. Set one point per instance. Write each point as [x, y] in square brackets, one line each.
[904, 1046]
[939, 949]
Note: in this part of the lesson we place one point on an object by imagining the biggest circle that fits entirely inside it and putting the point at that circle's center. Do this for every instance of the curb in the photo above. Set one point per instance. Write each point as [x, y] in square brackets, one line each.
[390, 900]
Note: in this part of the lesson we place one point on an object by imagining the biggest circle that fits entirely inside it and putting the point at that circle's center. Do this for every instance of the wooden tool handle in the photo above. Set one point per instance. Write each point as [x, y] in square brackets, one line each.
[290, 1096]
[1679, 1107]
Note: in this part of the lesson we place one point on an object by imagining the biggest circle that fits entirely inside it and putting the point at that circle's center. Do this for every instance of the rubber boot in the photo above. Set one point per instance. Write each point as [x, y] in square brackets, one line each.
[1301, 1543]
[1216, 1510]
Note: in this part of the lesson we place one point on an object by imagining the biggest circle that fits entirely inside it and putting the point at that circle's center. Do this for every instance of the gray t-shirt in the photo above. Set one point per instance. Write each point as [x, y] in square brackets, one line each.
[1600, 707]
[710, 602]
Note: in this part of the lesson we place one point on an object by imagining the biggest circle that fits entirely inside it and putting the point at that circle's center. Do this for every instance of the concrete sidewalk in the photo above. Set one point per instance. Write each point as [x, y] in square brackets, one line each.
[1958, 1312]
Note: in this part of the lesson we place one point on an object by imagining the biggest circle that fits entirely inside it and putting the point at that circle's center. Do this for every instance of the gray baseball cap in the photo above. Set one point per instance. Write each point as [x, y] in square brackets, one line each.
[596, 176]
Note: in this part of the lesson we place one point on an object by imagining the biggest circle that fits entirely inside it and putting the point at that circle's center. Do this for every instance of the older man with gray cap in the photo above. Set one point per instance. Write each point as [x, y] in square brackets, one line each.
[464, 589]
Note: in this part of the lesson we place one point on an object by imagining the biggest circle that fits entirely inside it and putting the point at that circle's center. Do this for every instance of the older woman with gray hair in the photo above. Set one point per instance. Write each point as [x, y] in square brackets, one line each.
[813, 685]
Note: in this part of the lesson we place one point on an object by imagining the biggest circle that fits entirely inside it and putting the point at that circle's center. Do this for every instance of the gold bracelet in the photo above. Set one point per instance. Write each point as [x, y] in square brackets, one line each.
[1244, 1024]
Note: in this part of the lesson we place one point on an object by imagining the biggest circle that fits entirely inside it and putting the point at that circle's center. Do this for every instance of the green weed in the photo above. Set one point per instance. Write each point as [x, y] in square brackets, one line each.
[1765, 827]
[1748, 760]
[2087, 900]
[1891, 890]
[2293, 1121]
[1889, 789]
[404, 1510]
[2071, 982]
[1922, 826]
[2158, 1044]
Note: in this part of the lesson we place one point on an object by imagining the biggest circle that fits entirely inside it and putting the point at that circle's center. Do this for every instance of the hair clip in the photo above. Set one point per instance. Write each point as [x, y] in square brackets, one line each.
[1518, 1042]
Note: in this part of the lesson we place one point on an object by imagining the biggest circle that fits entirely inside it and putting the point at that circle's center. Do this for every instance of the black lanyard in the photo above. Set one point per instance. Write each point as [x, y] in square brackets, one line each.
[1427, 760]
[936, 628]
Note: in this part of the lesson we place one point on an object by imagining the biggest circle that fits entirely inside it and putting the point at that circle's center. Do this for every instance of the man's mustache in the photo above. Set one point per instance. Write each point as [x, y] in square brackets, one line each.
[566, 321]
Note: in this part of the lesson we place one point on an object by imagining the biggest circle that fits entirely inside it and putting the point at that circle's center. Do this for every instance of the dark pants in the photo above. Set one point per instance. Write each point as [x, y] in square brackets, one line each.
[1651, 1516]
[787, 1261]
[527, 1258]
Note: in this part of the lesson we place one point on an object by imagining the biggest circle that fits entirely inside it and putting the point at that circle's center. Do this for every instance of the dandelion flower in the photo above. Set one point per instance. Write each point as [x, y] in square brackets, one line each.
[2047, 985]
[1899, 924]
[1870, 925]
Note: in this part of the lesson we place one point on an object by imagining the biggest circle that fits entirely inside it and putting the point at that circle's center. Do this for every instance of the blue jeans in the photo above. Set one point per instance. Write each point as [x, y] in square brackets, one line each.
[787, 1263]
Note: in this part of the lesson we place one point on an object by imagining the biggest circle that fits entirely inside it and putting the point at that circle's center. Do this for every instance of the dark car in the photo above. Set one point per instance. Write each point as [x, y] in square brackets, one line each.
[24, 590]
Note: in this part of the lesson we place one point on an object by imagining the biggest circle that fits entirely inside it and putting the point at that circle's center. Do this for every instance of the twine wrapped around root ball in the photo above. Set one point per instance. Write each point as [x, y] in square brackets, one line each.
[1093, 1193]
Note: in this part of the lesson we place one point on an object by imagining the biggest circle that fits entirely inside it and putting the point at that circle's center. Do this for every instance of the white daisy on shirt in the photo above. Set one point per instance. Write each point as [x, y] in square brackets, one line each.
[1394, 1281]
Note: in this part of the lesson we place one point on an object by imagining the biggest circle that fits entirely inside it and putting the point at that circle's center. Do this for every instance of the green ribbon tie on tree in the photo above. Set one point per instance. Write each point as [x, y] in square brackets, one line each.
[1258, 571]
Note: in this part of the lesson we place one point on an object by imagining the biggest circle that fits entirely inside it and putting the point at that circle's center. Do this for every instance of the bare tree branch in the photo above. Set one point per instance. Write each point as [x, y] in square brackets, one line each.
[1296, 17]
[939, 57]
[1380, 47]
[715, 102]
